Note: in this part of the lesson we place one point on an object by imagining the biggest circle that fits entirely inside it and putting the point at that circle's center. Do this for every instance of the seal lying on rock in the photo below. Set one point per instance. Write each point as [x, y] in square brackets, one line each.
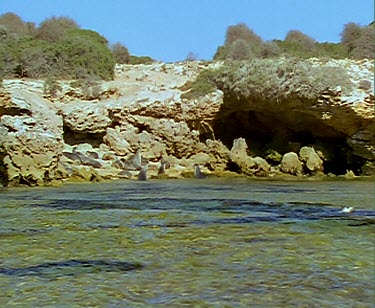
[82, 158]
[198, 173]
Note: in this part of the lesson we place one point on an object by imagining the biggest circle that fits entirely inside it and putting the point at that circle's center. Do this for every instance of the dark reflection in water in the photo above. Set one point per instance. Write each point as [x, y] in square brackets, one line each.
[252, 211]
[70, 268]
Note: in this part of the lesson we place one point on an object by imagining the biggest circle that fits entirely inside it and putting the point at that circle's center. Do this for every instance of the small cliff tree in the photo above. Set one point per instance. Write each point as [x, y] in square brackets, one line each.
[300, 38]
[120, 53]
[54, 29]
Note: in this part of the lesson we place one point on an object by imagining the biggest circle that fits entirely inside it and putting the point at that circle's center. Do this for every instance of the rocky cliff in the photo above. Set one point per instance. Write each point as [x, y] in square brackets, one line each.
[92, 133]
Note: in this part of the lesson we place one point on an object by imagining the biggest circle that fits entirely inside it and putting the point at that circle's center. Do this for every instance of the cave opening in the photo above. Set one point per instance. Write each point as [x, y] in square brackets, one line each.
[287, 131]
[73, 138]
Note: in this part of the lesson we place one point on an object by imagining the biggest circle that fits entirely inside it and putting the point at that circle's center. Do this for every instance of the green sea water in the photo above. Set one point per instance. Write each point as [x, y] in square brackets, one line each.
[188, 243]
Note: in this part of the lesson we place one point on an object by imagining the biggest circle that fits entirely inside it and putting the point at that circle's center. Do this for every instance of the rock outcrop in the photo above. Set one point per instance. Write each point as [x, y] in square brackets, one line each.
[31, 139]
[247, 165]
[91, 135]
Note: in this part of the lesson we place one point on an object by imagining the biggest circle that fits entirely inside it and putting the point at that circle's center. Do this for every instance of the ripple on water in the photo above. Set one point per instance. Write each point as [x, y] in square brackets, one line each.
[70, 268]
[198, 244]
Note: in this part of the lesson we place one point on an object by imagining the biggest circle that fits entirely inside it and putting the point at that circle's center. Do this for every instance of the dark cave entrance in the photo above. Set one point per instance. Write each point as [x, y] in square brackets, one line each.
[73, 138]
[286, 131]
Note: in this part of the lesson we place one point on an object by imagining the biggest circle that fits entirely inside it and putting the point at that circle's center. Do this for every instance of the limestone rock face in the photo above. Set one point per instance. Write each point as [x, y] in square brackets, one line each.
[85, 117]
[87, 134]
[219, 154]
[311, 159]
[116, 141]
[32, 139]
[291, 164]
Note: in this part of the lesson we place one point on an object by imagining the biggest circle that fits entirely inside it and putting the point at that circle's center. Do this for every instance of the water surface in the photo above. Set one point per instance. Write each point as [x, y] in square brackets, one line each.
[192, 243]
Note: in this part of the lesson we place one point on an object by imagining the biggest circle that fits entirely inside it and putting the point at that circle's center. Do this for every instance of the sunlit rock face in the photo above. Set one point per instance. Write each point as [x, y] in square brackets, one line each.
[31, 138]
[46, 139]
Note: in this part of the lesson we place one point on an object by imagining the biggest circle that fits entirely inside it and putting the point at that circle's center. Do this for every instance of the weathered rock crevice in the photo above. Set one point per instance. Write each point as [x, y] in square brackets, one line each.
[73, 138]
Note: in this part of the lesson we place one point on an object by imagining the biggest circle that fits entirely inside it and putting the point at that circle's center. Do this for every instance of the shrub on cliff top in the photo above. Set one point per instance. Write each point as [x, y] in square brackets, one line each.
[86, 53]
[55, 28]
[275, 80]
[202, 85]
[13, 23]
[140, 60]
[243, 32]
[305, 41]
[360, 41]
[120, 53]
[240, 50]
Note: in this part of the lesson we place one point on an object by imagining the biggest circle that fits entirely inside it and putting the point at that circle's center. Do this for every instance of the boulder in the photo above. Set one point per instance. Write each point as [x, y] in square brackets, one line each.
[246, 164]
[219, 154]
[291, 164]
[311, 159]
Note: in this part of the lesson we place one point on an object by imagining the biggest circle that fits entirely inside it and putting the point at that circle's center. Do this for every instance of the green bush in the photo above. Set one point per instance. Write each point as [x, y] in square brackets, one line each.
[221, 53]
[35, 58]
[7, 52]
[135, 60]
[85, 53]
[51, 87]
[202, 85]
[55, 28]
[13, 23]
[350, 34]
[273, 80]
[360, 41]
[357, 42]
[301, 39]
[120, 53]
[365, 44]
[243, 32]
[240, 50]
[294, 49]
[331, 50]
[269, 50]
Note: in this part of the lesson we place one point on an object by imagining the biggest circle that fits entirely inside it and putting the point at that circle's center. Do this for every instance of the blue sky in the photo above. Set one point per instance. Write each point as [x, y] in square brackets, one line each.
[168, 30]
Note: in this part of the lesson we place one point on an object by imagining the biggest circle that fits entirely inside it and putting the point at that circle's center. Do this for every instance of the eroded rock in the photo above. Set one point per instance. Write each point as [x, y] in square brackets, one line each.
[32, 139]
[291, 164]
[247, 165]
[311, 159]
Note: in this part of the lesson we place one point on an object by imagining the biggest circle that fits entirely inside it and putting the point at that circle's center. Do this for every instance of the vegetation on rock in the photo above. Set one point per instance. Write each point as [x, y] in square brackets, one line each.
[271, 79]
[58, 48]
[242, 43]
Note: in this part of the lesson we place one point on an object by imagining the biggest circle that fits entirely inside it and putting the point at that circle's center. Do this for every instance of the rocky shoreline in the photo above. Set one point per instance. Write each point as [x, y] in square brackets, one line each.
[91, 134]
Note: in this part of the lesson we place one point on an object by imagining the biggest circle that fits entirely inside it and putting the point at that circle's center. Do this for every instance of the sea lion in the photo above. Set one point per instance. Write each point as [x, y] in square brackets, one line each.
[137, 160]
[142, 175]
[197, 172]
[161, 168]
[163, 165]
